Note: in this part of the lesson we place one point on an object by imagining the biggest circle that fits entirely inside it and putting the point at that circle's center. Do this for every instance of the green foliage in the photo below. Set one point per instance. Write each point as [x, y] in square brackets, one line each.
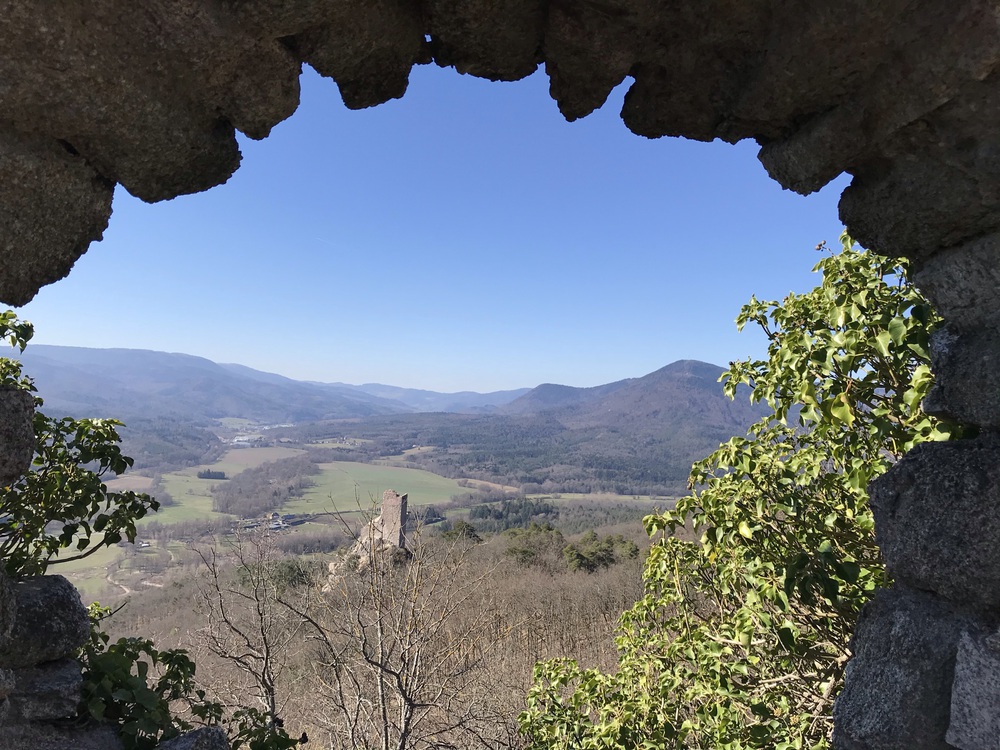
[462, 530]
[591, 553]
[285, 573]
[17, 333]
[254, 729]
[62, 502]
[511, 512]
[136, 687]
[741, 638]
[132, 684]
[538, 545]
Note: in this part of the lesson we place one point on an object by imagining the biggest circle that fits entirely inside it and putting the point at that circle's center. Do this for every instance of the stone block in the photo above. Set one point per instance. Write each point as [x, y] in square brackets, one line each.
[53, 205]
[963, 283]
[17, 436]
[8, 682]
[367, 48]
[210, 738]
[898, 684]
[51, 622]
[975, 694]
[966, 376]
[937, 524]
[47, 692]
[8, 610]
[496, 40]
[393, 518]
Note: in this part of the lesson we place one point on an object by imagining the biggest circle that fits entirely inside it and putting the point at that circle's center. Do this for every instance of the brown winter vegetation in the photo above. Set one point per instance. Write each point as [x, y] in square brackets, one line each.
[426, 650]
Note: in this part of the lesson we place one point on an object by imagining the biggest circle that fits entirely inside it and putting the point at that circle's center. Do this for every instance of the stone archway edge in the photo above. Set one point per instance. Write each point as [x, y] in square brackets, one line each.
[149, 95]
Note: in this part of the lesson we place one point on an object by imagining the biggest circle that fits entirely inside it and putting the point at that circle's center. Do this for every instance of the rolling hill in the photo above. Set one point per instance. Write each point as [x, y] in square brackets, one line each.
[633, 436]
[141, 383]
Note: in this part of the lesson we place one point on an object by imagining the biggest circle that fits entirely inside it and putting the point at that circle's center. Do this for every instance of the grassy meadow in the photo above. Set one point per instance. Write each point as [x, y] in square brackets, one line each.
[339, 488]
[342, 485]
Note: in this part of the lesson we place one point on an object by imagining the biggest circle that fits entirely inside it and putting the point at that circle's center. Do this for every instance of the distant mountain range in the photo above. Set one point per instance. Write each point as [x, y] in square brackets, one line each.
[139, 383]
[634, 436]
[638, 435]
[669, 399]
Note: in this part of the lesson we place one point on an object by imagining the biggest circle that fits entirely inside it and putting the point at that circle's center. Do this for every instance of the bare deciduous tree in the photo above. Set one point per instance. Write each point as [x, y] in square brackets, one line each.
[247, 625]
[402, 647]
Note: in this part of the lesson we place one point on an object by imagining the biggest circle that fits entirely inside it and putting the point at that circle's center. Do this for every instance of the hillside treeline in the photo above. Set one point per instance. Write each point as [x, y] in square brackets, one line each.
[534, 453]
[264, 488]
[161, 445]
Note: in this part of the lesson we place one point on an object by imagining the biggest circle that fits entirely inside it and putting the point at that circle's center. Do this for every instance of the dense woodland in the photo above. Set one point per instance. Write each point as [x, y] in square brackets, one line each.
[264, 488]
[159, 445]
[537, 454]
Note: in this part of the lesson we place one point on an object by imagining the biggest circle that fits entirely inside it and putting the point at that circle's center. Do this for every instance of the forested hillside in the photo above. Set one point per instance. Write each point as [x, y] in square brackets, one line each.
[637, 436]
[633, 436]
[131, 383]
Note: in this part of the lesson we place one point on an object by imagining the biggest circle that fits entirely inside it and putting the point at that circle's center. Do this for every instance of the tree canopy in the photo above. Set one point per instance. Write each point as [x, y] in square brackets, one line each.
[62, 503]
[742, 636]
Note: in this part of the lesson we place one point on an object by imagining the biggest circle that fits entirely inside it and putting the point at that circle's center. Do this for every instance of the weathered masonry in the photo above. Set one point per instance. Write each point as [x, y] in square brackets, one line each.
[901, 94]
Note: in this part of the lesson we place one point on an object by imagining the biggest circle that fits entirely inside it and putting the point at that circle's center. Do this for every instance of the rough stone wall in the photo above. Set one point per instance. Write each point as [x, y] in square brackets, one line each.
[393, 519]
[17, 438]
[901, 94]
[386, 533]
[41, 681]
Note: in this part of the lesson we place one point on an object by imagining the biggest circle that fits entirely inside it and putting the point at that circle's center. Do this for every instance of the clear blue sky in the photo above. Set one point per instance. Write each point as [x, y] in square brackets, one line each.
[464, 237]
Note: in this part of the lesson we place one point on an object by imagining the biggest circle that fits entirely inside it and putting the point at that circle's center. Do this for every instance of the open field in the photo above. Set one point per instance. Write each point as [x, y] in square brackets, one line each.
[193, 496]
[237, 423]
[603, 497]
[339, 442]
[192, 500]
[339, 488]
[89, 574]
[342, 484]
[236, 460]
[336, 489]
[482, 486]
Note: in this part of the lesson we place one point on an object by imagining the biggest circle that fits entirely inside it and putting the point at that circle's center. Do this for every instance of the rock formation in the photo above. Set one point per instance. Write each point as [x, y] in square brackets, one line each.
[384, 534]
[901, 94]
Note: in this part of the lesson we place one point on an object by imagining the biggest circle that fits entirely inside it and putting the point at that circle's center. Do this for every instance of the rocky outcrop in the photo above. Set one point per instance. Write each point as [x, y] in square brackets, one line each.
[387, 531]
[40, 681]
[50, 623]
[17, 436]
[383, 535]
[903, 95]
[902, 673]
[974, 722]
[936, 521]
